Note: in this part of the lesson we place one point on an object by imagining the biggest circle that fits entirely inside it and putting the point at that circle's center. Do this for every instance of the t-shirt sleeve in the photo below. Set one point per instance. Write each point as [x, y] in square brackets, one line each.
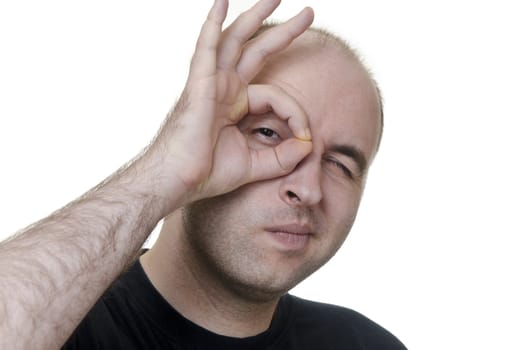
[96, 331]
[335, 327]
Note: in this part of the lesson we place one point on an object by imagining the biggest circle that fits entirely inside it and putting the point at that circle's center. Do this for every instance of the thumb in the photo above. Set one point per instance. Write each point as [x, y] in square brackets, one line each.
[278, 161]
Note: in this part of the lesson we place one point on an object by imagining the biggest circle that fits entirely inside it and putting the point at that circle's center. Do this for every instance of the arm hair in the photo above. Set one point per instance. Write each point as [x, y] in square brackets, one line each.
[54, 271]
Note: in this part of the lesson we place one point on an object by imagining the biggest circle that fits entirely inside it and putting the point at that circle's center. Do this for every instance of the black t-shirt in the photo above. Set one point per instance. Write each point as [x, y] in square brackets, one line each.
[133, 315]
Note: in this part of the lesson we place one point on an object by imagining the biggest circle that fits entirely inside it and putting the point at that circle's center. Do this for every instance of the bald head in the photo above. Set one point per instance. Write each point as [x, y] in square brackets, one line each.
[316, 39]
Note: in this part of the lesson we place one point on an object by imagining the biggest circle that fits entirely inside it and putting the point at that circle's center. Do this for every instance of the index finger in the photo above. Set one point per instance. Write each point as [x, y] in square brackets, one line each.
[270, 42]
[265, 98]
[237, 34]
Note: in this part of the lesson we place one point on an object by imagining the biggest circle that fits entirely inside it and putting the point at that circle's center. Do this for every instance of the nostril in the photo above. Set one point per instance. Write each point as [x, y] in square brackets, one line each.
[292, 195]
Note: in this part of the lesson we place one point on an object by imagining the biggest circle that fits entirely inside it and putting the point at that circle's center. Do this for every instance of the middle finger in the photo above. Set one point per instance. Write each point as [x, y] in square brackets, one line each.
[235, 36]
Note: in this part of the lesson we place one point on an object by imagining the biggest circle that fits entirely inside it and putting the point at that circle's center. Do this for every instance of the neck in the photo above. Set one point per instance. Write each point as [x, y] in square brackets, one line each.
[198, 293]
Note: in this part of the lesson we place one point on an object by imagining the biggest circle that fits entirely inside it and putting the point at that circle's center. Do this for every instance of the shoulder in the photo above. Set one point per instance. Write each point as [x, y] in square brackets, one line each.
[107, 325]
[336, 324]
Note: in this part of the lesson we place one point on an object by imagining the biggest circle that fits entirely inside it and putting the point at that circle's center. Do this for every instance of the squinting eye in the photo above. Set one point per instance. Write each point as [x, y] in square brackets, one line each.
[341, 167]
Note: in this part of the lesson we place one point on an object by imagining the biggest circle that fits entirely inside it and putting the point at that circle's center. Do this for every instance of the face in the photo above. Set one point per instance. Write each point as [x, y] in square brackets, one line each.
[265, 237]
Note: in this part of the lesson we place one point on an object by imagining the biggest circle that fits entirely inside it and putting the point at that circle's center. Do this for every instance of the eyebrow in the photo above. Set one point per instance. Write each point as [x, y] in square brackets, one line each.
[352, 152]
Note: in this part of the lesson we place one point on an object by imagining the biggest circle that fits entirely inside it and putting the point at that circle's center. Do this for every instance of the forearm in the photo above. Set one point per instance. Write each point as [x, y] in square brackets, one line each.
[54, 271]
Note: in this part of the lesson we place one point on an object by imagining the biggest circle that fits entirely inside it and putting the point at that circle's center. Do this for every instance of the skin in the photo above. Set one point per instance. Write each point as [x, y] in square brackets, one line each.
[236, 265]
[52, 272]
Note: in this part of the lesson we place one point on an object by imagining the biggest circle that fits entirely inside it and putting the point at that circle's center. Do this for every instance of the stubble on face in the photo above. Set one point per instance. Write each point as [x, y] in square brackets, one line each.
[223, 235]
[224, 239]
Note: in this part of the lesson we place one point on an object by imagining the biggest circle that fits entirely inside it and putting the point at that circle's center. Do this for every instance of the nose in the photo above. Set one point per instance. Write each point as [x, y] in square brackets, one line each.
[302, 187]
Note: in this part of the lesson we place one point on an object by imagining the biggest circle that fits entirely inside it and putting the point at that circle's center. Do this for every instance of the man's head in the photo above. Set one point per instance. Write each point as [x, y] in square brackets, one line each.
[265, 237]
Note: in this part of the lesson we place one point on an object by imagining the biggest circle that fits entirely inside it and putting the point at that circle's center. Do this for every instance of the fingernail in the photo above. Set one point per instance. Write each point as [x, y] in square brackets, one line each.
[307, 134]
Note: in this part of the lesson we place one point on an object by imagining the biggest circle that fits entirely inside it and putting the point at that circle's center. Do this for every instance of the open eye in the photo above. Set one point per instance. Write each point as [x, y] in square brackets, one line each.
[267, 135]
[266, 132]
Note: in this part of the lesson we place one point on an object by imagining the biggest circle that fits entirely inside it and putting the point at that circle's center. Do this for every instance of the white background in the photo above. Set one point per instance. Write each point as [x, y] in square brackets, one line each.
[438, 252]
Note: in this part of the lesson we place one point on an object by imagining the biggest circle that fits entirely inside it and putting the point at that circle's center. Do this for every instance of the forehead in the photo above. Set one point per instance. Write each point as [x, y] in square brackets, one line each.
[334, 89]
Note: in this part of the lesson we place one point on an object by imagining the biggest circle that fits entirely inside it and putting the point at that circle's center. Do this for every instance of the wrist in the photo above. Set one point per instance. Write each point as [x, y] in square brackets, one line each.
[152, 180]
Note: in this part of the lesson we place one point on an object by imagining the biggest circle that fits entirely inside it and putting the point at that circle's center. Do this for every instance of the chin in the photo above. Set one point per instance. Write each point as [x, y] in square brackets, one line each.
[265, 285]
[261, 293]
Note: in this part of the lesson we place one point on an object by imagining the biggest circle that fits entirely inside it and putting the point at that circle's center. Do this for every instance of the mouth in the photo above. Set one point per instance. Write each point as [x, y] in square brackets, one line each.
[291, 237]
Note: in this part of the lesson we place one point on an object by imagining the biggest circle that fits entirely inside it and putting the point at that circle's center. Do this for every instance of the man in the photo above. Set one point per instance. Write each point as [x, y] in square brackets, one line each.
[258, 172]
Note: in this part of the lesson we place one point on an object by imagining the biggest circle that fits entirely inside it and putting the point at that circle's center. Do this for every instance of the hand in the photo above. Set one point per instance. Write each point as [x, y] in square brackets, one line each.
[200, 147]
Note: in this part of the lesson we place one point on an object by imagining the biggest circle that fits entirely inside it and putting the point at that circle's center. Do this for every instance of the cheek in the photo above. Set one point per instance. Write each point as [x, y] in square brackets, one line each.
[236, 208]
[338, 230]
[341, 207]
[341, 195]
